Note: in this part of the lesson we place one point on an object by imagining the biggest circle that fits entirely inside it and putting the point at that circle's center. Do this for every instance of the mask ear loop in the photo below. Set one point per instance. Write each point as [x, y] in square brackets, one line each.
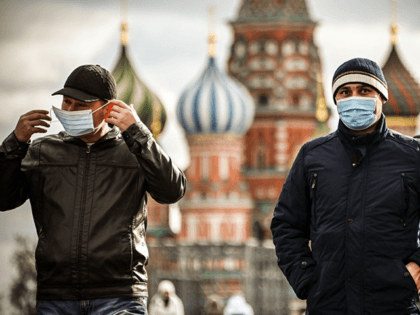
[56, 120]
[101, 106]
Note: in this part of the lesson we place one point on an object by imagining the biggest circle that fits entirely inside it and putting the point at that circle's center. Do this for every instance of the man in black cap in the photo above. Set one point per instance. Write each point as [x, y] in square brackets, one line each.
[346, 223]
[87, 187]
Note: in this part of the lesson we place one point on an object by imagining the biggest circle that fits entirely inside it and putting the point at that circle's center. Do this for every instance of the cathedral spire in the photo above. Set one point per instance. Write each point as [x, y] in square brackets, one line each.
[212, 30]
[124, 23]
[321, 105]
[124, 33]
[394, 22]
[132, 90]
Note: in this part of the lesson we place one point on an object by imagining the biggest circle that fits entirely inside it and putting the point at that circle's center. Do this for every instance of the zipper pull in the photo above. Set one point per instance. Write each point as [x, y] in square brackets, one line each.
[88, 149]
[314, 181]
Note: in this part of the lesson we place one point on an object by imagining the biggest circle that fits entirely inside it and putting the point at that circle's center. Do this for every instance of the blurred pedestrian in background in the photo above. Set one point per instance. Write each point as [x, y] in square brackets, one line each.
[237, 305]
[165, 301]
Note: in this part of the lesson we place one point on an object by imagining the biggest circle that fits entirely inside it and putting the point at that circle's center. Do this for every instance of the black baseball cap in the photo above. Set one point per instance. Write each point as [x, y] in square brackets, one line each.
[89, 83]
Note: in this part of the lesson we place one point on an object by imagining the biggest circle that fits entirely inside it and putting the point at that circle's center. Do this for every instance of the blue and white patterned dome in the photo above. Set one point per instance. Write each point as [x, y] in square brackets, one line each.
[215, 104]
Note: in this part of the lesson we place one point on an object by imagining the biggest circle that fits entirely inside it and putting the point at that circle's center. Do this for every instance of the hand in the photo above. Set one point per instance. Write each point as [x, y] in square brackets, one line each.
[414, 270]
[121, 115]
[29, 122]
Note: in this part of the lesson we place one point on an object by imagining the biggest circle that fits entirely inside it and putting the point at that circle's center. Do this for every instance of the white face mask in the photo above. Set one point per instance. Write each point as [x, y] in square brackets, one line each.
[356, 112]
[76, 123]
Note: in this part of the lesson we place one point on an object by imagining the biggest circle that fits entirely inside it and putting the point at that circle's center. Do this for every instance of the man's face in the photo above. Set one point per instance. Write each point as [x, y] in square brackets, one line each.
[70, 104]
[362, 90]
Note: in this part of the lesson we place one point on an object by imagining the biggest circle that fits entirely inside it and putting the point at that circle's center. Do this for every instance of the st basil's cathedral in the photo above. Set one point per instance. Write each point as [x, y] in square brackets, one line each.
[244, 129]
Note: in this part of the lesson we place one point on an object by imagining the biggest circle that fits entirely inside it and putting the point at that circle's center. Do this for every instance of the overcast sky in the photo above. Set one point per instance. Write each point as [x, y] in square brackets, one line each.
[41, 42]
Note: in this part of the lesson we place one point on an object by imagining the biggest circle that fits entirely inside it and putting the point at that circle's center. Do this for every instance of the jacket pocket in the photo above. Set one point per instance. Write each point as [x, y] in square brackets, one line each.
[313, 188]
[40, 257]
[405, 194]
[393, 288]
[126, 245]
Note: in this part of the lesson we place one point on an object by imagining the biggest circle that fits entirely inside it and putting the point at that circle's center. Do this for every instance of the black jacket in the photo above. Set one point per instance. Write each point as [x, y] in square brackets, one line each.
[357, 200]
[89, 207]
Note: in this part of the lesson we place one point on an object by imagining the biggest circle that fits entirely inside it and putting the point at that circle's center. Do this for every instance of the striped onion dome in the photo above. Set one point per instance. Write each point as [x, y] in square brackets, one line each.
[403, 90]
[132, 90]
[215, 103]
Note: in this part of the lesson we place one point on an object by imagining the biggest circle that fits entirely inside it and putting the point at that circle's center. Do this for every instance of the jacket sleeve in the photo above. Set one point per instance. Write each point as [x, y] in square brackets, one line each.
[415, 257]
[290, 229]
[13, 187]
[164, 180]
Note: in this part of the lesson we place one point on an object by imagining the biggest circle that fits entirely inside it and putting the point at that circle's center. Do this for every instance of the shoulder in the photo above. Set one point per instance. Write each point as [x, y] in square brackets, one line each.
[324, 140]
[403, 140]
[48, 139]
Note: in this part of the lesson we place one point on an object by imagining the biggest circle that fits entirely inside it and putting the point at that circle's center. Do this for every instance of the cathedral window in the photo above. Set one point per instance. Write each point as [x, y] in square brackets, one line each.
[295, 99]
[205, 168]
[303, 48]
[288, 48]
[254, 48]
[192, 221]
[263, 100]
[224, 168]
[261, 154]
[260, 160]
[271, 47]
[240, 49]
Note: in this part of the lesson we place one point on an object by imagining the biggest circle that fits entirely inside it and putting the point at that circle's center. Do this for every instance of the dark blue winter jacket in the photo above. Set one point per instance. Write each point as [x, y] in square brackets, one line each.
[356, 199]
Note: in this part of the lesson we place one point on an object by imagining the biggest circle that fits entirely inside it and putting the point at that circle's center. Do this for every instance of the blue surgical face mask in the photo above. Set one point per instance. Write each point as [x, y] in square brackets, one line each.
[76, 123]
[357, 113]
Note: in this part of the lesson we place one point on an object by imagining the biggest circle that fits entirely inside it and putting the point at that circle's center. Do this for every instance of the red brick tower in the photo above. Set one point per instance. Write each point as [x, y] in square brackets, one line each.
[273, 54]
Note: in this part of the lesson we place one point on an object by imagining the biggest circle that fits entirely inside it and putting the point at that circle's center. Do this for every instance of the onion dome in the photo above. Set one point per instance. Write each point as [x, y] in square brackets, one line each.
[215, 103]
[404, 91]
[132, 90]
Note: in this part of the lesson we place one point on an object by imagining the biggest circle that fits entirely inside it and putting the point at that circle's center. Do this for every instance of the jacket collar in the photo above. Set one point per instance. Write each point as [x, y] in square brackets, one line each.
[376, 136]
[113, 133]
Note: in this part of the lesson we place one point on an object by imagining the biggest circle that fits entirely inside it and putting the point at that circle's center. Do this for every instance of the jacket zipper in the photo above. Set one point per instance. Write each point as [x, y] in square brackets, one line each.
[313, 186]
[81, 216]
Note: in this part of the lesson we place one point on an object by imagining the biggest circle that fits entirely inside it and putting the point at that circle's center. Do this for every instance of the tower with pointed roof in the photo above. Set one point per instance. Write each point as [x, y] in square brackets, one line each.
[403, 105]
[132, 90]
[274, 55]
[215, 111]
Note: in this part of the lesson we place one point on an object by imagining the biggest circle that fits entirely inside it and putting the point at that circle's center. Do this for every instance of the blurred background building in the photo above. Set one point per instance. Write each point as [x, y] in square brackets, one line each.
[244, 129]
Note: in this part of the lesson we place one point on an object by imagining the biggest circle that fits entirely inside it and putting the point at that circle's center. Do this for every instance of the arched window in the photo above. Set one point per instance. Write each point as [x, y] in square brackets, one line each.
[205, 168]
[261, 156]
[224, 168]
[295, 99]
[262, 100]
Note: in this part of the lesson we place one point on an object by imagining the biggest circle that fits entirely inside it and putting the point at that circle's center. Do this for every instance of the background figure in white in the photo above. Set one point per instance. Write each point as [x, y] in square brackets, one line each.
[165, 301]
[236, 305]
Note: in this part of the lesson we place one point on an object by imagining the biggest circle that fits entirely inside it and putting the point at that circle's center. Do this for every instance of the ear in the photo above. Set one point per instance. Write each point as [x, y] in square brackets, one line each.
[383, 99]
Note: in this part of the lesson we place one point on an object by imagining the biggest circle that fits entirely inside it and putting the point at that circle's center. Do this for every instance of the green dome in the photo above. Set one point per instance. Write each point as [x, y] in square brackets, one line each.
[131, 90]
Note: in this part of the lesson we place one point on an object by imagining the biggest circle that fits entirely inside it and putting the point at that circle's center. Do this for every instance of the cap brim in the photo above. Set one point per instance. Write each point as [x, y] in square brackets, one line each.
[77, 95]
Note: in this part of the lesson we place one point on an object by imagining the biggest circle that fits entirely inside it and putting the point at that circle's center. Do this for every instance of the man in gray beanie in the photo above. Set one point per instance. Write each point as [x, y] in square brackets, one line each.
[87, 187]
[346, 223]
